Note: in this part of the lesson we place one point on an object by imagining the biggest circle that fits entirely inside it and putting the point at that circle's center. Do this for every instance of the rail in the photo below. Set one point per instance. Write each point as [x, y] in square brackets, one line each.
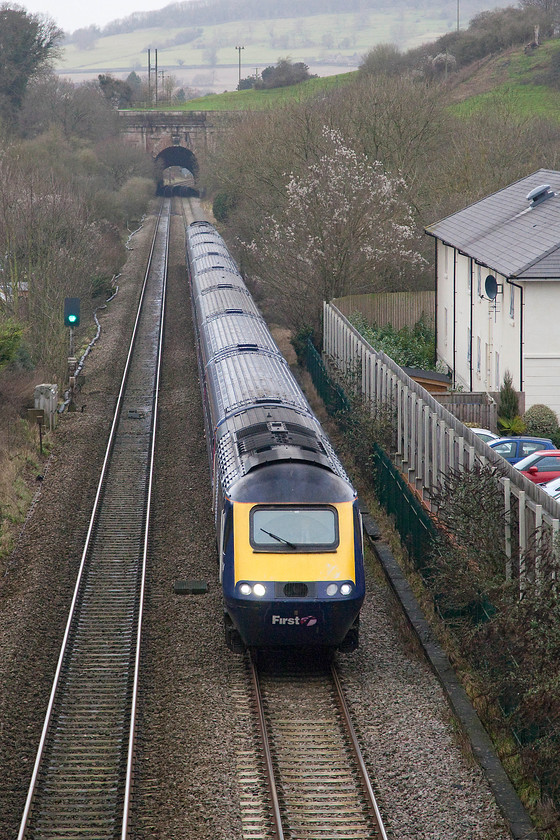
[81, 780]
[317, 777]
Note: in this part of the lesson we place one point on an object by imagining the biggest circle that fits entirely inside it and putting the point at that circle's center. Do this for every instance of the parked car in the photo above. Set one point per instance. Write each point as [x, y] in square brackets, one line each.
[541, 466]
[515, 448]
[552, 488]
[485, 434]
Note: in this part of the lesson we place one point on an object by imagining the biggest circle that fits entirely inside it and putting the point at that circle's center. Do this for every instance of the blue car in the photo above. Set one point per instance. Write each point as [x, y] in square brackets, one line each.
[515, 448]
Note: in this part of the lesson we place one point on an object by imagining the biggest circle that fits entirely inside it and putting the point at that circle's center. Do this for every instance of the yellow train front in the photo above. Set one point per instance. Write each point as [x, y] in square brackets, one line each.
[292, 571]
[287, 518]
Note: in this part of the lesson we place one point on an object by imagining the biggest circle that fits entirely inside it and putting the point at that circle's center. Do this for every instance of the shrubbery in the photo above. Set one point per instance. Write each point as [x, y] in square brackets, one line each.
[222, 206]
[11, 334]
[540, 420]
[488, 33]
[283, 74]
[408, 347]
[509, 630]
[509, 421]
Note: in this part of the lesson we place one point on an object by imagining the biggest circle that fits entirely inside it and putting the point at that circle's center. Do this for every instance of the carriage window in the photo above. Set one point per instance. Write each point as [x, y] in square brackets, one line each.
[291, 528]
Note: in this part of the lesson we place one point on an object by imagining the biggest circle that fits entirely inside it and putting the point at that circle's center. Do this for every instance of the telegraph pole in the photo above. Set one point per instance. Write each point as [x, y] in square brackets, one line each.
[150, 69]
[239, 51]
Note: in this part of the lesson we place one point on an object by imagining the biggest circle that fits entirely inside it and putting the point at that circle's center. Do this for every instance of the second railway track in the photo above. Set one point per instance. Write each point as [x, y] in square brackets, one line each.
[81, 780]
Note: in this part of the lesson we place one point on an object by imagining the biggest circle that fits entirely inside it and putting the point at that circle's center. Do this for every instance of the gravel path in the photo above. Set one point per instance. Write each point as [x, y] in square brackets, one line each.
[189, 728]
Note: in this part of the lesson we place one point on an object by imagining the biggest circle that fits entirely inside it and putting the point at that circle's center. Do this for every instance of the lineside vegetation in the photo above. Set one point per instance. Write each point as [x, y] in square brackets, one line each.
[68, 190]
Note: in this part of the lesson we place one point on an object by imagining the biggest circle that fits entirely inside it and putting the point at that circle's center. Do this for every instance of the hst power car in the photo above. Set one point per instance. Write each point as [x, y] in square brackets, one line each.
[287, 517]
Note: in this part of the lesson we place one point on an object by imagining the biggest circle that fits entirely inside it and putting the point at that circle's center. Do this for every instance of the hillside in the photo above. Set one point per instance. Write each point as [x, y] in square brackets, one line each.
[204, 56]
[527, 81]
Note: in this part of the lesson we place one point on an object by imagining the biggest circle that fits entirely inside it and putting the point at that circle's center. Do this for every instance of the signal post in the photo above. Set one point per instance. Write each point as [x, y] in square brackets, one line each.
[71, 320]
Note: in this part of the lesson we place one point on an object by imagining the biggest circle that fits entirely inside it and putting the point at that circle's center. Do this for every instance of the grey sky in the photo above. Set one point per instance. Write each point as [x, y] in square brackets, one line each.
[73, 14]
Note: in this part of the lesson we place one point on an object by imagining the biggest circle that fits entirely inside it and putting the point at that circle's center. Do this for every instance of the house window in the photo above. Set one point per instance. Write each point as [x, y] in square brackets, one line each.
[479, 280]
[469, 340]
[478, 354]
[445, 325]
[511, 302]
[497, 371]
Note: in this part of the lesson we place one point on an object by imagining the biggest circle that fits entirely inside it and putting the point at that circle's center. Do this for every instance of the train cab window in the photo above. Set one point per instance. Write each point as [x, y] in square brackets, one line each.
[292, 528]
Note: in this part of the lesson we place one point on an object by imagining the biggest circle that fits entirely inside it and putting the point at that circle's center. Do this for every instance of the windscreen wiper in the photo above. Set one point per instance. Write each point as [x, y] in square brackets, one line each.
[280, 539]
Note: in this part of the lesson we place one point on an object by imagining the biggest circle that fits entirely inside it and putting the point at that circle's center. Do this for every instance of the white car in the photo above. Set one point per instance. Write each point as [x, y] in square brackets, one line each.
[485, 434]
[552, 487]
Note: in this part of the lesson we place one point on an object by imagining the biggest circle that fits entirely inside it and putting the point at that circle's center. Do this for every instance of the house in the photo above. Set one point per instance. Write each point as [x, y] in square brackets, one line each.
[498, 290]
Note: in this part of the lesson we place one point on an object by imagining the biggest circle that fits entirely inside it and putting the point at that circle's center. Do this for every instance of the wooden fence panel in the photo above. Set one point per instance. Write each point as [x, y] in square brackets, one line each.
[400, 309]
[478, 409]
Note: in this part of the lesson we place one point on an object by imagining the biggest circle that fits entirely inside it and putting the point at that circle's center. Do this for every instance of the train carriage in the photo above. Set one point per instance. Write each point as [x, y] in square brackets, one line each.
[287, 518]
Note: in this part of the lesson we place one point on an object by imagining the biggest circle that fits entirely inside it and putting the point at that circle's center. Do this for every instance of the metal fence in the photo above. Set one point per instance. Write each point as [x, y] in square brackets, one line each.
[411, 518]
[332, 394]
[431, 442]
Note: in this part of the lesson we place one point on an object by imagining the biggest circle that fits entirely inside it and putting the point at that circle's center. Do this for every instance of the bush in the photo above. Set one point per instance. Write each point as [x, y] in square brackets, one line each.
[413, 348]
[284, 74]
[134, 197]
[540, 420]
[384, 60]
[222, 206]
[11, 334]
[511, 426]
[299, 342]
[508, 407]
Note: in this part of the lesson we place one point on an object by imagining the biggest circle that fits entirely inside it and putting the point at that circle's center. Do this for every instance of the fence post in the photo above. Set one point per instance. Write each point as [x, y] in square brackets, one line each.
[413, 428]
[522, 538]
[538, 545]
[420, 439]
[554, 536]
[451, 448]
[507, 508]
[426, 424]
[435, 449]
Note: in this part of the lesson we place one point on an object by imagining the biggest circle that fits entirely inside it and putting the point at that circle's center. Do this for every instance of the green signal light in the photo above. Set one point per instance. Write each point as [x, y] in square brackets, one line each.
[71, 312]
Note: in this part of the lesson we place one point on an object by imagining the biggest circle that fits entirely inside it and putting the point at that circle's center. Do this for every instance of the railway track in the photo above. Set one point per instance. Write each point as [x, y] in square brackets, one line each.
[81, 781]
[317, 780]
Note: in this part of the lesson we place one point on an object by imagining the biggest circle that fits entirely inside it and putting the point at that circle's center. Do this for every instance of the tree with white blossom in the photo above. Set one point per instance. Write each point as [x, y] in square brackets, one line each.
[345, 227]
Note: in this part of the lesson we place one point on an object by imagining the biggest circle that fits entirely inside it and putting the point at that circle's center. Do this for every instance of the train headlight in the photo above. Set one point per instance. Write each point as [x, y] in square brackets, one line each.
[346, 589]
[332, 589]
[259, 589]
[245, 589]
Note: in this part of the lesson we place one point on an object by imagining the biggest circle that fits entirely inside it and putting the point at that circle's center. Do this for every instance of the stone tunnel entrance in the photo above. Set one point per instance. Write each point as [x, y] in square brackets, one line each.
[176, 170]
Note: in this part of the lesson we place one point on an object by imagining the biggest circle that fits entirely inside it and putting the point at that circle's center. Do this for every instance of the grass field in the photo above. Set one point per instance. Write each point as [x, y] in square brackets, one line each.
[322, 41]
[319, 39]
[253, 100]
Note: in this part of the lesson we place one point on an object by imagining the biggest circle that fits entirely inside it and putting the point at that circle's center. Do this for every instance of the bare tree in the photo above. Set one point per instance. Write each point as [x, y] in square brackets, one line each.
[78, 110]
[50, 248]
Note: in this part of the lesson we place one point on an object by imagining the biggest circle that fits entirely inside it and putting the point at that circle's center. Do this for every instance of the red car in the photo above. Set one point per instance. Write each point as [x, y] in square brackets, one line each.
[540, 466]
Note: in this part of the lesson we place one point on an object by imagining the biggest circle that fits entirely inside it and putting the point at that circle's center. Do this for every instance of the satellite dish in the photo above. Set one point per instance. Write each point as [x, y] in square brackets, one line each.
[491, 287]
